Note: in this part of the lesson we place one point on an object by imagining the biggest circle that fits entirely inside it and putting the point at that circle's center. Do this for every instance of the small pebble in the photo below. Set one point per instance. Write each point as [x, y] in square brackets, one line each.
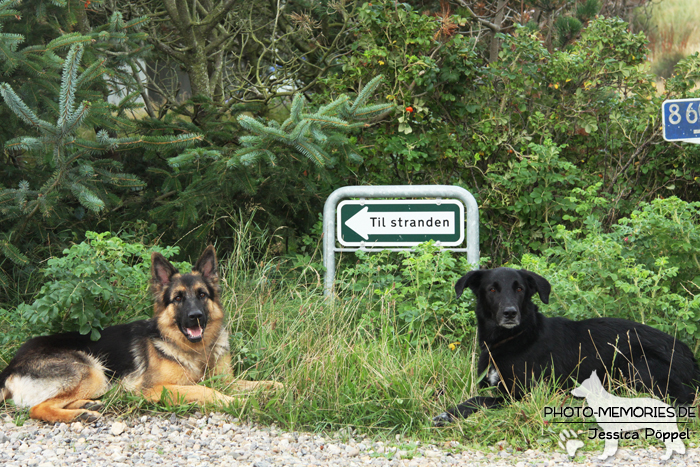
[118, 428]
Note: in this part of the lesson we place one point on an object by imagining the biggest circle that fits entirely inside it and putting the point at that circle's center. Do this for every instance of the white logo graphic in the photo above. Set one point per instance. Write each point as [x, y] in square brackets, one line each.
[619, 415]
[572, 445]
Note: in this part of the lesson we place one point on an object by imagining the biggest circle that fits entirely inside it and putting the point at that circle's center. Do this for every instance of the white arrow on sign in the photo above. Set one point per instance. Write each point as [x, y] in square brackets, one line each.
[366, 223]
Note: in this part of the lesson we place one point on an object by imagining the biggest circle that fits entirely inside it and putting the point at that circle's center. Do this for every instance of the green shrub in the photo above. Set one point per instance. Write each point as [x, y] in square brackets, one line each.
[644, 269]
[412, 292]
[96, 283]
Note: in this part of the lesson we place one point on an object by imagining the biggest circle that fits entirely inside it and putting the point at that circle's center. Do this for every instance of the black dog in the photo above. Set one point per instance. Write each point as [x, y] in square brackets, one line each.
[519, 346]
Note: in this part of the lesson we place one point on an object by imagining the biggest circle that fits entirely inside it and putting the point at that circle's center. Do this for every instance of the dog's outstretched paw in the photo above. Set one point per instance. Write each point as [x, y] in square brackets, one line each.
[443, 419]
[572, 443]
[93, 406]
[88, 417]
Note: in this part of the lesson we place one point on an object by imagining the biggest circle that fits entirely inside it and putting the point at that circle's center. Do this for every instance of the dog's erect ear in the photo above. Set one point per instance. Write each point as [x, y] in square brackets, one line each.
[538, 283]
[206, 264]
[472, 279]
[161, 271]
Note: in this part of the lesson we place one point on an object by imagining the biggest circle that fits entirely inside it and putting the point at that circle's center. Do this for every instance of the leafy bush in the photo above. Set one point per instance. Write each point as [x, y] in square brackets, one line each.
[644, 269]
[412, 292]
[97, 282]
[522, 131]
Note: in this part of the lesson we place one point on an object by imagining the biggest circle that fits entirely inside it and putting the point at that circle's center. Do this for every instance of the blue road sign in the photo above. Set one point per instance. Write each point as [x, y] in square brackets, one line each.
[681, 120]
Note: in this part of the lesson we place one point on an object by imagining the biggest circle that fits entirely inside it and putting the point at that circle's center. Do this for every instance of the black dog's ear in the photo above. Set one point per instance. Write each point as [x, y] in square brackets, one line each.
[206, 264]
[472, 279]
[539, 283]
[161, 271]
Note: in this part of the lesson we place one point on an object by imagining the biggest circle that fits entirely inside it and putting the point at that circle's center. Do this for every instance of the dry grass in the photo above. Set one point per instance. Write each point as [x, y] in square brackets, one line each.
[673, 29]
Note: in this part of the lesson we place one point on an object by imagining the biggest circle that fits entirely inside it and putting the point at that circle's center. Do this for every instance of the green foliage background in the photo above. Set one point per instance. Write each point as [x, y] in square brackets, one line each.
[520, 131]
[552, 122]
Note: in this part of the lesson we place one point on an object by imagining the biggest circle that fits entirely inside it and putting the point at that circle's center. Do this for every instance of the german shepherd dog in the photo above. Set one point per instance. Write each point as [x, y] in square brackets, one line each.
[59, 376]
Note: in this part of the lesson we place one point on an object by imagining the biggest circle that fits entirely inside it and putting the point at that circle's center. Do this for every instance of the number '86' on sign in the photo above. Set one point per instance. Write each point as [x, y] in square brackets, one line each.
[681, 119]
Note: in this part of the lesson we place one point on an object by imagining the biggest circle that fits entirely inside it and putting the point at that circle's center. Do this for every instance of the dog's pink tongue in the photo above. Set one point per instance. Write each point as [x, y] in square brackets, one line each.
[195, 332]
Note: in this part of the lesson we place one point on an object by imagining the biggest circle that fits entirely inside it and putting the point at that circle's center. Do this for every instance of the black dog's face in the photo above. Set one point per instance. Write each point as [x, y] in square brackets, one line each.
[502, 293]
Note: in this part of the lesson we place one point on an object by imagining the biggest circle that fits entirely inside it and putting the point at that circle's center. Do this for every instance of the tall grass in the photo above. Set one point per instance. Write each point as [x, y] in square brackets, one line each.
[673, 32]
[343, 375]
[337, 372]
[340, 374]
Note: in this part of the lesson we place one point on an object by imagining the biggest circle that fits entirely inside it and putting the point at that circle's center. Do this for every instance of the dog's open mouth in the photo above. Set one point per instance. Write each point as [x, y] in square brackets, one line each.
[194, 334]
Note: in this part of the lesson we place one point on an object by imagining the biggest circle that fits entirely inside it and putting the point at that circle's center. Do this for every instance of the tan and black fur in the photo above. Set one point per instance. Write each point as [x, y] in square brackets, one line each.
[60, 376]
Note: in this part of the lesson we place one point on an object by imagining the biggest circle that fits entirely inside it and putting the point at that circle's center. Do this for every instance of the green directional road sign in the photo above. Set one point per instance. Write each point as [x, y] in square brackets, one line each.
[400, 222]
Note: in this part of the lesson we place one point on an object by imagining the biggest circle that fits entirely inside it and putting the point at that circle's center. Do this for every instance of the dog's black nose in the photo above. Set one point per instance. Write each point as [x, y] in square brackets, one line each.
[510, 312]
[195, 315]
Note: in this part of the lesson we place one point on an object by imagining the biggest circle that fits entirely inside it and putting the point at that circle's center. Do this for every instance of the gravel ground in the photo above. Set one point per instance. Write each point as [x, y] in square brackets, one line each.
[217, 439]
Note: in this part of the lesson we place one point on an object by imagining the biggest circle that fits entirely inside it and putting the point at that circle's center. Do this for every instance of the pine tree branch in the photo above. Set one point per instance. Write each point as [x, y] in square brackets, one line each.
[216, 15]
[172, 7]
[68, 85]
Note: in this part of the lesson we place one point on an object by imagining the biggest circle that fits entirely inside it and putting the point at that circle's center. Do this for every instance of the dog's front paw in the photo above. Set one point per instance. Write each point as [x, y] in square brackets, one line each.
[93, 406]
[273, 386]
[443, 419]
[88, 416]
[225, 400]
[249, 386]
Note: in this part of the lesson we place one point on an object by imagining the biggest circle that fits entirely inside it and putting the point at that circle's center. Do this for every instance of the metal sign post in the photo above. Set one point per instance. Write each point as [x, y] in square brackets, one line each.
[373, 225]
